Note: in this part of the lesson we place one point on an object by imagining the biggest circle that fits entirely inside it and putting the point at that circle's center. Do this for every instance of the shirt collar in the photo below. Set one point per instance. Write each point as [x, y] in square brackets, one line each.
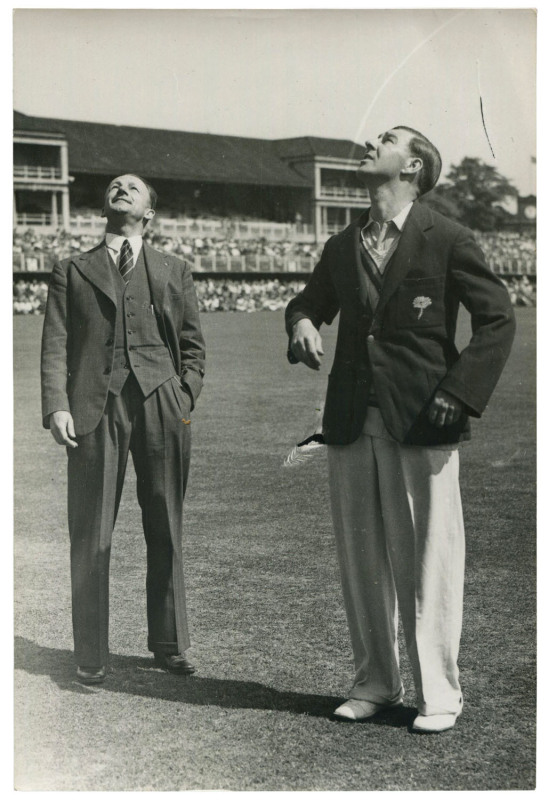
[114, 242]
[398, 220]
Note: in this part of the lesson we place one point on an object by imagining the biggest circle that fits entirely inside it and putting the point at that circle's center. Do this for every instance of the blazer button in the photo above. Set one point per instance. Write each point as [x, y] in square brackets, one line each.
[107, 371]
[109, 342]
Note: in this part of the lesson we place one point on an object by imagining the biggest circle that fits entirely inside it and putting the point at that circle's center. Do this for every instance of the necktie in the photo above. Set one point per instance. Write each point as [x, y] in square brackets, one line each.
[125, 264]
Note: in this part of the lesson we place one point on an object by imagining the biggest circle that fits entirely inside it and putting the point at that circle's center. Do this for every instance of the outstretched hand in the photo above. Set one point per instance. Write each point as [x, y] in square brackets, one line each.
[444, 409]
[62, 428]
[306, 344]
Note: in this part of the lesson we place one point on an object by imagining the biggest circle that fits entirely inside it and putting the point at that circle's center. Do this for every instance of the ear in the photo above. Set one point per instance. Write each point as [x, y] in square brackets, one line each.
[413, 166]
[149, 214]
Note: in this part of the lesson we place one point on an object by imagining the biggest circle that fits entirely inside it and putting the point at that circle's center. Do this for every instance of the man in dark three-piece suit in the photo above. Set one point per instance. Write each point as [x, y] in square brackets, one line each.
[122, 368]
[398, 403]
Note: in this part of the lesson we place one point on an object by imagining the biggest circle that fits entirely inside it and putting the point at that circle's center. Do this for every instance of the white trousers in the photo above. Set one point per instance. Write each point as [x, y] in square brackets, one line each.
[399, 530]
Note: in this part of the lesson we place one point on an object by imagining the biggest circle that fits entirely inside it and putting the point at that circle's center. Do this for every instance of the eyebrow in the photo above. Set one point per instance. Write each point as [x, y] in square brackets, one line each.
[131, 184]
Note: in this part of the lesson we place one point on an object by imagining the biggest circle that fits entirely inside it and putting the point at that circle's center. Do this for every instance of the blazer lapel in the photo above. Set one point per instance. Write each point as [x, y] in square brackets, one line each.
[96, 266]
[349, 245]
[158, 269]
[411, 242]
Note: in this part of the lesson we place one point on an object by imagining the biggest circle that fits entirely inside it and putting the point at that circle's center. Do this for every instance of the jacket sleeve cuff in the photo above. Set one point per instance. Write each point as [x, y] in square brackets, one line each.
[47, 414]
[472, 406]
[192, 383]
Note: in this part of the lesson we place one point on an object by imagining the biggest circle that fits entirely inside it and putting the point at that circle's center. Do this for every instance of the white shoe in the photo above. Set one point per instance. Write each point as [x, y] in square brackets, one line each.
[356, 710]
[435, 723]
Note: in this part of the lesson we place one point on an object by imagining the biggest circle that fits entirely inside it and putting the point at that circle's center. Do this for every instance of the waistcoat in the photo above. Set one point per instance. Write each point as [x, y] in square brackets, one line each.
[139, 347]
[370, 269]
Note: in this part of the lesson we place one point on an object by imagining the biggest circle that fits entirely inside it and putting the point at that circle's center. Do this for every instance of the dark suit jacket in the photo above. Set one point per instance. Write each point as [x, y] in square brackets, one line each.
[408, 354]
[79, 326]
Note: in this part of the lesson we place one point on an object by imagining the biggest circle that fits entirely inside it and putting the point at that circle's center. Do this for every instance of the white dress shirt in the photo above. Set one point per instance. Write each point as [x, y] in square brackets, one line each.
[114, 245]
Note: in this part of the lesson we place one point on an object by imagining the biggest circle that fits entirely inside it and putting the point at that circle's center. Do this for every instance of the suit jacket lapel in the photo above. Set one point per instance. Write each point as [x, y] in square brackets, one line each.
[158, 269]
[96, 266]
[408, 250]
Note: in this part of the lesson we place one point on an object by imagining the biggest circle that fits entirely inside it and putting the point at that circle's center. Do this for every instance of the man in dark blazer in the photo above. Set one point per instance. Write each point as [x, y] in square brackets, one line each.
[398, 403]
[122, 368]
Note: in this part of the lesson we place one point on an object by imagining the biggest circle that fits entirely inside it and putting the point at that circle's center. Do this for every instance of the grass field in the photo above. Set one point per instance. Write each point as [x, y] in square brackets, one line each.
[269, 632]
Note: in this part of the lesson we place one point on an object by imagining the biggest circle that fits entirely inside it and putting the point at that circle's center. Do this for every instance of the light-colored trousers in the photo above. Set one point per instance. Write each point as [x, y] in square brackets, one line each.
[399, 530]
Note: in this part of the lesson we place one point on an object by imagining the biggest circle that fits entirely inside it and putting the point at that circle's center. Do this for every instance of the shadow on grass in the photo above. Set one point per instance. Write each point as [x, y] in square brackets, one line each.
[139, 677]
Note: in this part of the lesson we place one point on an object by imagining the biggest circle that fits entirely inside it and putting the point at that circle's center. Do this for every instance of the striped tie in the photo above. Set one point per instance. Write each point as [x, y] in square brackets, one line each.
[125, 264]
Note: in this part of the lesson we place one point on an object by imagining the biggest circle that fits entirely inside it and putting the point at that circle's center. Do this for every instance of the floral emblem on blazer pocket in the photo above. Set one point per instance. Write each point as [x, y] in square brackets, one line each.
[421, 303]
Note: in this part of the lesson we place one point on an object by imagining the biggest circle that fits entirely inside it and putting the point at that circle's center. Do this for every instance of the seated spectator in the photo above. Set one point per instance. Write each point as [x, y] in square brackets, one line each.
[510, 254]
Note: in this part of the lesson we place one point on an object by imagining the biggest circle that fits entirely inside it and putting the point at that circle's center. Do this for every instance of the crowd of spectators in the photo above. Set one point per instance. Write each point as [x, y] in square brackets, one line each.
[29, 297]
[522, 291]
[509, 248]
[239, 295]
[207, 246]
[59, 245]
[517, 251]
[32, 243]
[213, 295]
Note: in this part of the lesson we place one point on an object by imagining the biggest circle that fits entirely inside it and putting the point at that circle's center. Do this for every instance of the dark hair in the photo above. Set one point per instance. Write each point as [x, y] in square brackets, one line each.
[422, 148]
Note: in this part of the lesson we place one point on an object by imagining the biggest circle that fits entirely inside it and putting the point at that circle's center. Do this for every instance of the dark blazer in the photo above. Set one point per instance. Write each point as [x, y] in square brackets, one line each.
[79, 331]
[408, 351]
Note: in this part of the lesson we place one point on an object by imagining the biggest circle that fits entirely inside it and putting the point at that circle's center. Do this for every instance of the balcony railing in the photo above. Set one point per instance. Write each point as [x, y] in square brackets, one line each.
[43, 262]
[27, 172]
[332, 228]
[191, 228]
[526, 265]
[230, 228]
[344, 192]
[235, 229]
[252, 263]
[33, 220]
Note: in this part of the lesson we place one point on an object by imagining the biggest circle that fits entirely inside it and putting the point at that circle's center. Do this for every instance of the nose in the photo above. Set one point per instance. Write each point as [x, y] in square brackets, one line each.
[369, 145]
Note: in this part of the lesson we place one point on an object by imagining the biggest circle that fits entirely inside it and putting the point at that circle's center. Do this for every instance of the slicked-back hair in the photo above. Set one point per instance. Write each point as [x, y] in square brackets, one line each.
[422, 148]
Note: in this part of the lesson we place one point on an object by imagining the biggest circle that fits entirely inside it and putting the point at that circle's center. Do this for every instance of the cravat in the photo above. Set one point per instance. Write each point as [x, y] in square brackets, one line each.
[382, 234]
[380, 241]
[125, 264]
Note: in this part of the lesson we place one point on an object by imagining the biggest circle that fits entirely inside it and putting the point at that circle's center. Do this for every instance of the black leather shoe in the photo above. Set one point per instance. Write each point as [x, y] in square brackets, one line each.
[178, 664]
[91, 675]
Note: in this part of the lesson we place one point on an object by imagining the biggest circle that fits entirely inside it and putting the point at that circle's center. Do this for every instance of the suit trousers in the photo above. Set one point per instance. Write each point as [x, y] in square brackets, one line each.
[399, 531]
[152, 429]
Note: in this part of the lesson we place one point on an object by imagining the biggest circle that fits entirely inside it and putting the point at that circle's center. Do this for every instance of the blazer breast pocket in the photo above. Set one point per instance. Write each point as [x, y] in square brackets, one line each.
[420, 303]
